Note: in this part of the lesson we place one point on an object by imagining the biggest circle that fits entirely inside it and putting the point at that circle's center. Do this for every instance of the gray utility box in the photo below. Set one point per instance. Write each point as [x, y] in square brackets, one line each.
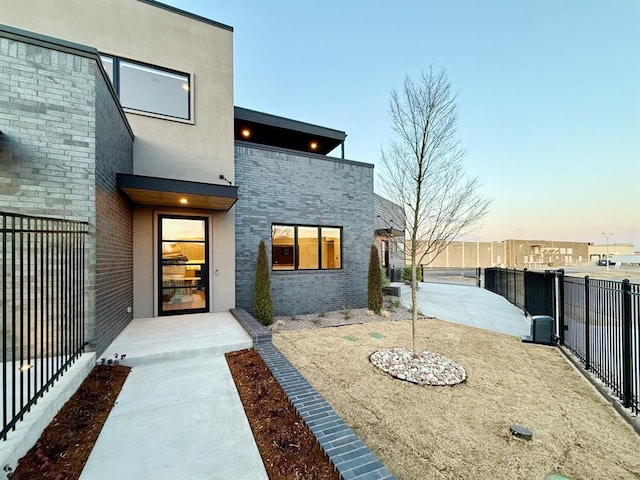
[542, 330]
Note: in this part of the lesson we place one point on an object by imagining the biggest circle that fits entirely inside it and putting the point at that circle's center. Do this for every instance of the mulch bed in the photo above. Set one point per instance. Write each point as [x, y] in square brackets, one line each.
[288, 449]
[65, 445]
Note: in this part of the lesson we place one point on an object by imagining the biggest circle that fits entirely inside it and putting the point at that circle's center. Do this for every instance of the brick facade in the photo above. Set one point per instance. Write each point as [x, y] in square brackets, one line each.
[287, 187]
[114, 220]
[63, 138]
[47, 116]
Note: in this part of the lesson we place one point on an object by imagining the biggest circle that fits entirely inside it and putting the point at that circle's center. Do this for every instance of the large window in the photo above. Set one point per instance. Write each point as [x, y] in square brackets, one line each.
[183, 265]
[150, 89]
[297, 247]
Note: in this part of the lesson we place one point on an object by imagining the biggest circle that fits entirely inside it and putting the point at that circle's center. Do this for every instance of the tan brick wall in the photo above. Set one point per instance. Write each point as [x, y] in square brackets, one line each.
[510, 253]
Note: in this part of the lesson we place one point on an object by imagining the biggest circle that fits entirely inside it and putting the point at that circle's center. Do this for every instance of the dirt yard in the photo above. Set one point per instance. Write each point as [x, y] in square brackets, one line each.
[462, 432]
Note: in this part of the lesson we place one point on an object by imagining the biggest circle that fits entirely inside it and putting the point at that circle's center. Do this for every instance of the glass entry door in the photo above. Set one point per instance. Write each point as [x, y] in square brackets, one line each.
[183, 265]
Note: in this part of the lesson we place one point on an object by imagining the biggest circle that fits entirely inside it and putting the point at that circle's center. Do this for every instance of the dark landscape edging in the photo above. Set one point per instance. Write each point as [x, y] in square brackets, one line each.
[348, 453]
[258, 332]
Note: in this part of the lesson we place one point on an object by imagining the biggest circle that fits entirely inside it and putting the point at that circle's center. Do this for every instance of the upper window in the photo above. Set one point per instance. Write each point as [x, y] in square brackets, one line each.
[150, 89]
[306, 247]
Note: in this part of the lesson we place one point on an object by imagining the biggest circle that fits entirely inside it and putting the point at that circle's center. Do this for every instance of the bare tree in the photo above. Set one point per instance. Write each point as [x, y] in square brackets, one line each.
[422, 171]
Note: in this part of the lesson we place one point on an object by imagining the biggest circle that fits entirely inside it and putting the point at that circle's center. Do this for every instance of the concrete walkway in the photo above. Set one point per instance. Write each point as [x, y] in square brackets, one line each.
[179, 414]
[469, 305]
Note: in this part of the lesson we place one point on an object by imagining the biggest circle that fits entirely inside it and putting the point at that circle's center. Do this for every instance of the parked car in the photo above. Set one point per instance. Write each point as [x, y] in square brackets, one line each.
[603, 262]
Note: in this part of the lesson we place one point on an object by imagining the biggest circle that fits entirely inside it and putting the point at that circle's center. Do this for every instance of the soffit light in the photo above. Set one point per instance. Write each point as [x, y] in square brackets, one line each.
[246, 133]
[313, 145]
[184, 201]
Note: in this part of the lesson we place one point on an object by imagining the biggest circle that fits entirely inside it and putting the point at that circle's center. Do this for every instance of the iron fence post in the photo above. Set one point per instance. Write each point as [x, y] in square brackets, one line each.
[627, 383]
[478, 275]
[587, 346]
[525, 271]
[527, 292]
[560, 305]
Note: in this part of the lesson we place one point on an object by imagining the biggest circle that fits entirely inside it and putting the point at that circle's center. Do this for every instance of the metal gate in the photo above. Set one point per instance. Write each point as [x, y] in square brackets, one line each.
[540, 293]
[544, 295]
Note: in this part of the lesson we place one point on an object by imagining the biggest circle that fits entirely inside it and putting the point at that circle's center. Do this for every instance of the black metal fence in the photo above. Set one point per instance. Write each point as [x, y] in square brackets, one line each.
[42, 298]
[597, 320]
[601, 324]
[506, 282]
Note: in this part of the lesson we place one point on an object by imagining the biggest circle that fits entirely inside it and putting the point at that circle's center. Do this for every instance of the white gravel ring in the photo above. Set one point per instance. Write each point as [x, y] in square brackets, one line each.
[427, 368]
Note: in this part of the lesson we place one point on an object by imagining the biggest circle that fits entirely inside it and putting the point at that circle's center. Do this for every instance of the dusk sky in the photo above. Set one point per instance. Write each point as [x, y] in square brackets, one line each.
[548, 94]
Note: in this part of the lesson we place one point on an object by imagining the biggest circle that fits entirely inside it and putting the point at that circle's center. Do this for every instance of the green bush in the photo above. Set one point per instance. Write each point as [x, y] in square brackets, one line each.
[374, 284]
[262, 304]
[406, 273]
[385, 280]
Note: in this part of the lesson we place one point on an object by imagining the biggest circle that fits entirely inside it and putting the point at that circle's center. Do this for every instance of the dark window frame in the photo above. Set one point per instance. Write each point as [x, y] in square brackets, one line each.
[115, 79]
[296, 253]
[205, 267]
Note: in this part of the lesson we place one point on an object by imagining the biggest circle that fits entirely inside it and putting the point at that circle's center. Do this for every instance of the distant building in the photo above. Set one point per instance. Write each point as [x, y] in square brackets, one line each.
[511, 253]
[599, 252]
[545, 253]
[460, 254]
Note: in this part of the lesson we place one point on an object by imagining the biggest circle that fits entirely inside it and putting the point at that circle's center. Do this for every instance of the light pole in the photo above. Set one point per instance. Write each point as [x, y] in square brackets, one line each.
[607, 235]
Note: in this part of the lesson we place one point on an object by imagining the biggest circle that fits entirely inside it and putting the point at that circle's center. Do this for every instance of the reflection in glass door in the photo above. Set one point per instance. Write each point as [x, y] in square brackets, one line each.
[183, 265]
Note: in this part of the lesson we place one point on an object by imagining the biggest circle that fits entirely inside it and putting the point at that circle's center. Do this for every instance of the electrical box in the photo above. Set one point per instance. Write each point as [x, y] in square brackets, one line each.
[542, 329]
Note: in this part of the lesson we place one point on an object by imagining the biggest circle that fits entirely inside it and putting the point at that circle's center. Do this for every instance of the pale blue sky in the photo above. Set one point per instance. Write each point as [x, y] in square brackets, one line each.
[549, 94]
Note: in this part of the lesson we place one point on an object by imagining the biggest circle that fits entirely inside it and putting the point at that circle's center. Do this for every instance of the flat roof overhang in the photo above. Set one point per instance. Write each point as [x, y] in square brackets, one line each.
[168, 192]
[266, 129]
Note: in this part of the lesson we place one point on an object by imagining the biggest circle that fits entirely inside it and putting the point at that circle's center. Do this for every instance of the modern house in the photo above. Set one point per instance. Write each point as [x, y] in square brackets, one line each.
[131, 136]
[120, 115]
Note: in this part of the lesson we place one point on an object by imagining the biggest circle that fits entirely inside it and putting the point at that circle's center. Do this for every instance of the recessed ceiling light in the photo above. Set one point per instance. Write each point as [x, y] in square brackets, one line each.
[184, 201]
[313, 145]
[246, 133]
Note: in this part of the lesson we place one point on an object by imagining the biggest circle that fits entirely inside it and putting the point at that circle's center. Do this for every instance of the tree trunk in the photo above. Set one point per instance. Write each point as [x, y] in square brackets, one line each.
[414, 303]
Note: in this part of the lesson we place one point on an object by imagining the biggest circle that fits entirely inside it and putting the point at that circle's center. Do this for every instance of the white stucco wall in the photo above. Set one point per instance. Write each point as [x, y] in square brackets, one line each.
[138, 31]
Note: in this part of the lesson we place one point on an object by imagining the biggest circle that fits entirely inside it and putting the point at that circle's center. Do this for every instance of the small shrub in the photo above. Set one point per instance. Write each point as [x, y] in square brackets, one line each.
[346, 313]
[392, 304]
[112, 362]
[262, 304]
[322, 314]
[385, 280]
[406, 273]
[374, 284]
[316, 321]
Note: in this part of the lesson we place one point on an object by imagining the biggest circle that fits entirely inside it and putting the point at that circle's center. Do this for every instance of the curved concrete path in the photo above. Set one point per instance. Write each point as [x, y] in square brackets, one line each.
[469, 305]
